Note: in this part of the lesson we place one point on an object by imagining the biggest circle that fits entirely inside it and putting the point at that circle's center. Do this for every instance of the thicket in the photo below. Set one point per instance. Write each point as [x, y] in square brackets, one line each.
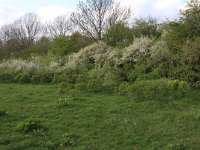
[147, 60]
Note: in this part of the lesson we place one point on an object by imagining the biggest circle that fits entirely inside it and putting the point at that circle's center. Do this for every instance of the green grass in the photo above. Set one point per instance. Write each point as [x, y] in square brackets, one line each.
[86, 121]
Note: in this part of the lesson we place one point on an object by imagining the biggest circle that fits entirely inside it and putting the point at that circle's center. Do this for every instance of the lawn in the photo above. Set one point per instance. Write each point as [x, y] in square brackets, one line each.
[85, 121]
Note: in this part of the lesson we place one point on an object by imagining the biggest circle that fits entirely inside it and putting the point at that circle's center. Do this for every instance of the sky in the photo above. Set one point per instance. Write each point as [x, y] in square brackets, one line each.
[49, 9]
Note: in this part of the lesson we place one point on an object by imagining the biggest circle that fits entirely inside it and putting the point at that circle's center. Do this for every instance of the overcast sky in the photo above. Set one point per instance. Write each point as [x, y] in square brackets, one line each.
[49, 9]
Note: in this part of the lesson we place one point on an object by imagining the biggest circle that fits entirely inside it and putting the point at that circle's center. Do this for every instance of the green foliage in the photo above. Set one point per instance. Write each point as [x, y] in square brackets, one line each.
[78, 41]
[61, 46]
[41, 47]
[28, 125]
[146, 27]
[157, 89]
[175, 34]
[90, 81]
[119, 36]
[42, 76]
[7, 75]
[23, 76]
[103, 79]
[68, 76]
[190, 17]
[191, 55]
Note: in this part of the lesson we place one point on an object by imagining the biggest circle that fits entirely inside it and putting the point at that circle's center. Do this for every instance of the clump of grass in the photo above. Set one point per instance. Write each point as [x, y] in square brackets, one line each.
[61, 103]
[69, 139]
[29, 125]
[78, 99]
[176, 147]
[2, 113]
[4, 141]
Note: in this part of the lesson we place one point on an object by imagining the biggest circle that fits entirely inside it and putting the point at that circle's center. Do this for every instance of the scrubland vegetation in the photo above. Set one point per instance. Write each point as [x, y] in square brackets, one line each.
[143, 78]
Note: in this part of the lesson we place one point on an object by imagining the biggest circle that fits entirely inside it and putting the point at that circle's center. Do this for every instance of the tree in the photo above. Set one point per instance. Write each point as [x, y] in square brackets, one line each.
[95, 17]
[191, 54]
[66, 45]
[9, 41]
[146, 27]
[77, 41]
[186, 29]
[190, 17]
[175, 34]
[40, 47]
[119, 35]
[20, 35]
[27, 29]
[61, 26]
[7, 33]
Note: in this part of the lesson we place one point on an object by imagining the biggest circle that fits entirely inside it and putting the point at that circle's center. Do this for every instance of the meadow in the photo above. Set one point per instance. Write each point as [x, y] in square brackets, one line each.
[42, 117]
[90, 82]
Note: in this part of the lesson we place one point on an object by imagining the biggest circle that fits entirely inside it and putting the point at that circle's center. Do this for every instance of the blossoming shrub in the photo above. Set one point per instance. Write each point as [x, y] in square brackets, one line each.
[140, 48]
[90, 55]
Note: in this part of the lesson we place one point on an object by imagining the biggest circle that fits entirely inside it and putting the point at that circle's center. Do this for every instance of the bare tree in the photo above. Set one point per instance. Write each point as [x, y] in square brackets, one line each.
[94, 17]
[9, 40]
[118, 15]
[22, 33]
[6, 33]
[61, 26]
[27, 29]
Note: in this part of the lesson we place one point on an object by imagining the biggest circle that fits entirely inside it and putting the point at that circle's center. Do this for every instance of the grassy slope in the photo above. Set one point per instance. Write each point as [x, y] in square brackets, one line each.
[97, 121]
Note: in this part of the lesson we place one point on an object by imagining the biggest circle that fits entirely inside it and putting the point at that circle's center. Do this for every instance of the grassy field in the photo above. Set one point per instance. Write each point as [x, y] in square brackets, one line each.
[86, 121]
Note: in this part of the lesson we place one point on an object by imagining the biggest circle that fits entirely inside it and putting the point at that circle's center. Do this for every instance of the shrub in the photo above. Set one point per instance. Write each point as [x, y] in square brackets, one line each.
[91, 55]
[122, 89]
[159, 52]
[183, 88]
[157, 89]
[111, 78]
[68, 75]
[7, 76]
[139, 49]
[23, 76]
[42, 76]
[63, 87]
[94, 85]
[28, 125]
[90, 85]
[103, 79]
